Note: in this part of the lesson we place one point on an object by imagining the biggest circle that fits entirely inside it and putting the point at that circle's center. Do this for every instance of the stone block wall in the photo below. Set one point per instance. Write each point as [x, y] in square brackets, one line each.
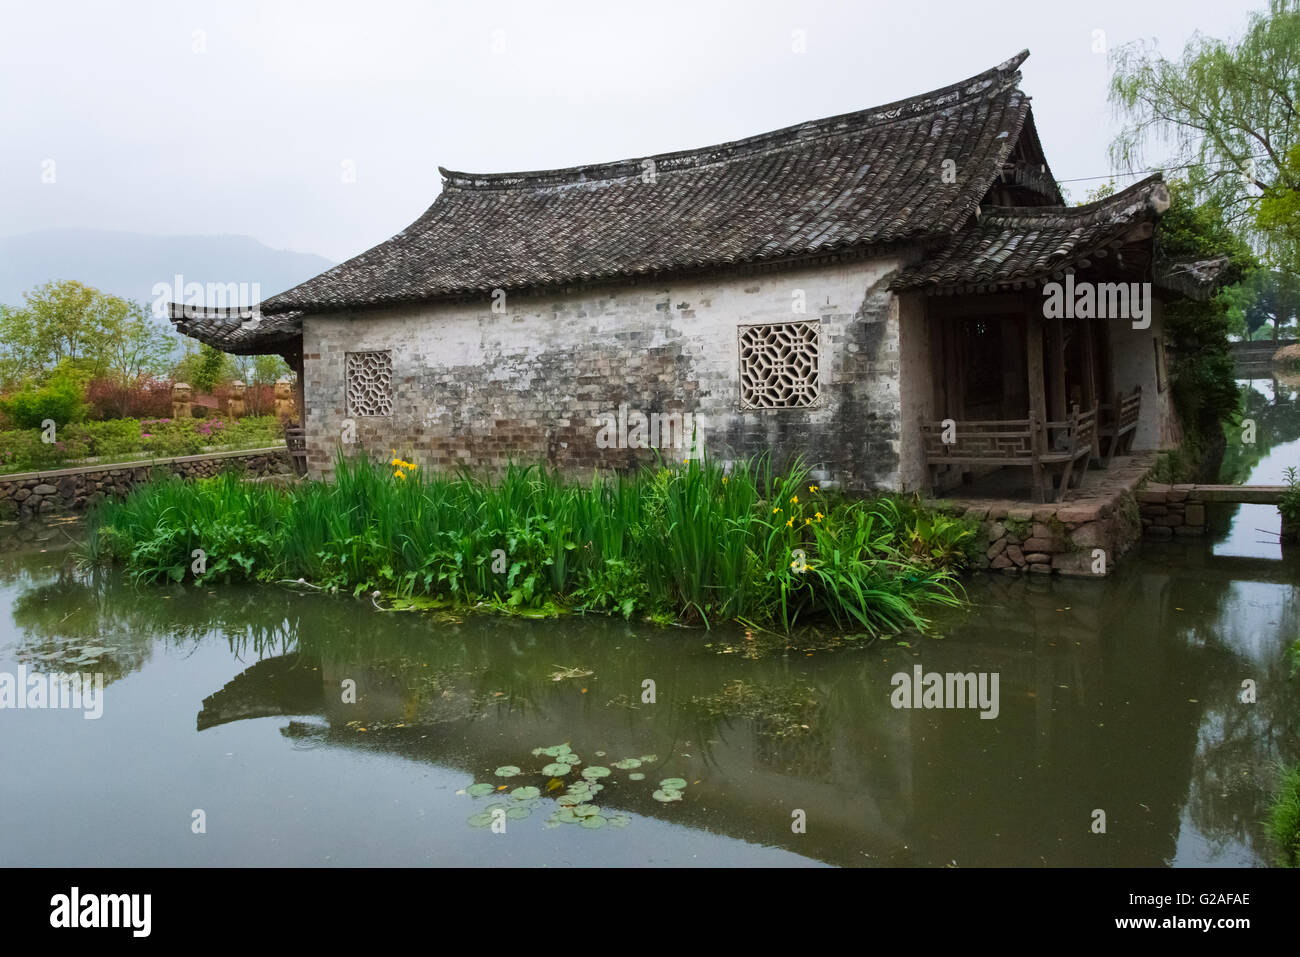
[1167, 511]
[1057, 538]
[76, 489]
[476, 387]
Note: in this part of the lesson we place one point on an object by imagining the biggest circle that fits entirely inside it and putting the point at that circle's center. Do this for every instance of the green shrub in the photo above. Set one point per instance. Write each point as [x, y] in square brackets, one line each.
[61, 399]
[1284, 817]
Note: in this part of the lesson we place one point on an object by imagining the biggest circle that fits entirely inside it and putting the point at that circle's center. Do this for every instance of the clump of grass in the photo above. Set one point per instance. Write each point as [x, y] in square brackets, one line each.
[692, 543]
[1284, 817]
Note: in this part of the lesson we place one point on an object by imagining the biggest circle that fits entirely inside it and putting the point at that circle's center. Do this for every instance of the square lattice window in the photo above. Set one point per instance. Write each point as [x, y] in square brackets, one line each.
[778, 365]
[370, 383]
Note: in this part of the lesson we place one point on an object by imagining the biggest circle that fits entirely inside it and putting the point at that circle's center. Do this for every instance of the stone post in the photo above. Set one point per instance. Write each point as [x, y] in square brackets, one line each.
[181, 393]
[235, 404]
[284, 404]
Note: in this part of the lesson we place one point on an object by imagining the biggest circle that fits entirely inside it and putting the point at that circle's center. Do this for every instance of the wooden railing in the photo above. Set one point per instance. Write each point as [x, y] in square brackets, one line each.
[1119, 423]
[296, 440]
[1016, 442]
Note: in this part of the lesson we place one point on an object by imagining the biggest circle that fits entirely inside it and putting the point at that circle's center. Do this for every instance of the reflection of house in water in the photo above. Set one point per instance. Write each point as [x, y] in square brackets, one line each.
[1103, 700]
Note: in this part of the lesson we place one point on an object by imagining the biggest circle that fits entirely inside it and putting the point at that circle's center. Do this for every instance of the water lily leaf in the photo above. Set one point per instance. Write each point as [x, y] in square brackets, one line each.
[593, 822]
[600, 754]
[667, 795]
[627, 764]
[636, 776]
[483, 819]
[507, 771]
[595, 771]
[586, 810]
[538, 752]
[649, 758]
[563, 748]
[478, 790]
[525, 793]
[619, 820]
[673, 784]
[564, 815]
[518, 813]
[571, 800]
[557, 770]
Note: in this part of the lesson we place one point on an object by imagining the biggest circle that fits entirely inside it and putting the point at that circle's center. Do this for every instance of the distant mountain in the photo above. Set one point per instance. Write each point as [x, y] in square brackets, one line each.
[129, 264]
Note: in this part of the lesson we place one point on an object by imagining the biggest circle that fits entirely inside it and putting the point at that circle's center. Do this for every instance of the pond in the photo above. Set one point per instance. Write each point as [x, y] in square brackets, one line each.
[312, 730]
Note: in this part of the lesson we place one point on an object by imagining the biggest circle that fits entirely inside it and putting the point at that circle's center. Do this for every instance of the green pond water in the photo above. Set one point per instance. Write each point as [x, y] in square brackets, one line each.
[1122, 695]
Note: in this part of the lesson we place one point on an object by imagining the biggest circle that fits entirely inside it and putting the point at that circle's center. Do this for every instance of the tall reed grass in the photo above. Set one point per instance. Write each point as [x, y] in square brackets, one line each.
[695, 543]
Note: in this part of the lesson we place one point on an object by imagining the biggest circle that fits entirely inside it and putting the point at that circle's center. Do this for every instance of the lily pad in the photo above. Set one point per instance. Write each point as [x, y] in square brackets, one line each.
[478, 790]
[673, 784]
[586, 810]
[483, 819]
[564, 815]
[572, 800]
[518, 813]
[593, 822]
[636, 776]
[649, 758]
[594, 772]
[619, 820]
[666, 795]
[557, 770]
[507, 771]
[627, 764]
[525, 793]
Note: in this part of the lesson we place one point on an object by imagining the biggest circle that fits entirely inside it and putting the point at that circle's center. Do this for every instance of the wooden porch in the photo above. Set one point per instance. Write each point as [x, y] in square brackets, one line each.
[1017, 391]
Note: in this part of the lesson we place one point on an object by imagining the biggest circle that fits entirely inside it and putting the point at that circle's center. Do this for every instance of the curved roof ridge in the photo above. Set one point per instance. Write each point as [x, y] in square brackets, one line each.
[1141, 189]
[993, 79]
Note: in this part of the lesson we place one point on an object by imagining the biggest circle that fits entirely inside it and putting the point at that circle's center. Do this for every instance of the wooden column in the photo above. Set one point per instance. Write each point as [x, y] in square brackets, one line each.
[1089, 365]
[1056, 378]
[1034, 373]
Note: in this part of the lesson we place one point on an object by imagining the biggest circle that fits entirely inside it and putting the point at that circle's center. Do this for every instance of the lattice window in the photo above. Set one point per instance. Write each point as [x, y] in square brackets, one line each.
[778, 365]
[370, 383]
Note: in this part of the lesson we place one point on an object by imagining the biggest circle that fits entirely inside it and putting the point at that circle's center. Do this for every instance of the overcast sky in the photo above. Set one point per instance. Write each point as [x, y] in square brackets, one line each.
[238, 117]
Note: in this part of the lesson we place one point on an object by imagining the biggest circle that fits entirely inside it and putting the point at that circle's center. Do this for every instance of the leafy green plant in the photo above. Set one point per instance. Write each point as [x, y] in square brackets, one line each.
[1289, 506]
[692, 544]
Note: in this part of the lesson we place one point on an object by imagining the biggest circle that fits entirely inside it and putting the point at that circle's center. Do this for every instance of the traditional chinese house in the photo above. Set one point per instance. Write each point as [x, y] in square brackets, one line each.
[866, 291]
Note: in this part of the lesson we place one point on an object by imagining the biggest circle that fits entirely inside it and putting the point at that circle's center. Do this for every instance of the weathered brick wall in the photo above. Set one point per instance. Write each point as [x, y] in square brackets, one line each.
[478, 388]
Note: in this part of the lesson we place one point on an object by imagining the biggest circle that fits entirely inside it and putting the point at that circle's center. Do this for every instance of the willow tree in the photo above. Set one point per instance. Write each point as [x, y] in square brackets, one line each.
[1229, 113]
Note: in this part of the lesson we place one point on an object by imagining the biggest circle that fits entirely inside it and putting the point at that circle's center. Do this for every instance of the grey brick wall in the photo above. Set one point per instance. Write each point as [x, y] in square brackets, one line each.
[478, 388]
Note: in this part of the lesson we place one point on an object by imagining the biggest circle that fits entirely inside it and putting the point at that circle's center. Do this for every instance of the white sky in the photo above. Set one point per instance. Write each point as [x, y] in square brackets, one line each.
[250, 136]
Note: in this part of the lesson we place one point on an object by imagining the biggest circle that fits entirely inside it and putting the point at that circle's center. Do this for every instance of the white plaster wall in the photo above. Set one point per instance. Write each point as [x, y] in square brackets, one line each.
[471, 385]
[1134, 361]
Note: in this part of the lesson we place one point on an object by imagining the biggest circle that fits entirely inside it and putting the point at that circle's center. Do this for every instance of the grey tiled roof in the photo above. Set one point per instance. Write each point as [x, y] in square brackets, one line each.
[239, 331]
[1014, 246]
[861, 178]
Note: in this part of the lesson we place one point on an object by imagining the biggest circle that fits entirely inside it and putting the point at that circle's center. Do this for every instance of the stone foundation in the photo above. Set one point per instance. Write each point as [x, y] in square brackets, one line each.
[1084, 535]
[32, 493]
